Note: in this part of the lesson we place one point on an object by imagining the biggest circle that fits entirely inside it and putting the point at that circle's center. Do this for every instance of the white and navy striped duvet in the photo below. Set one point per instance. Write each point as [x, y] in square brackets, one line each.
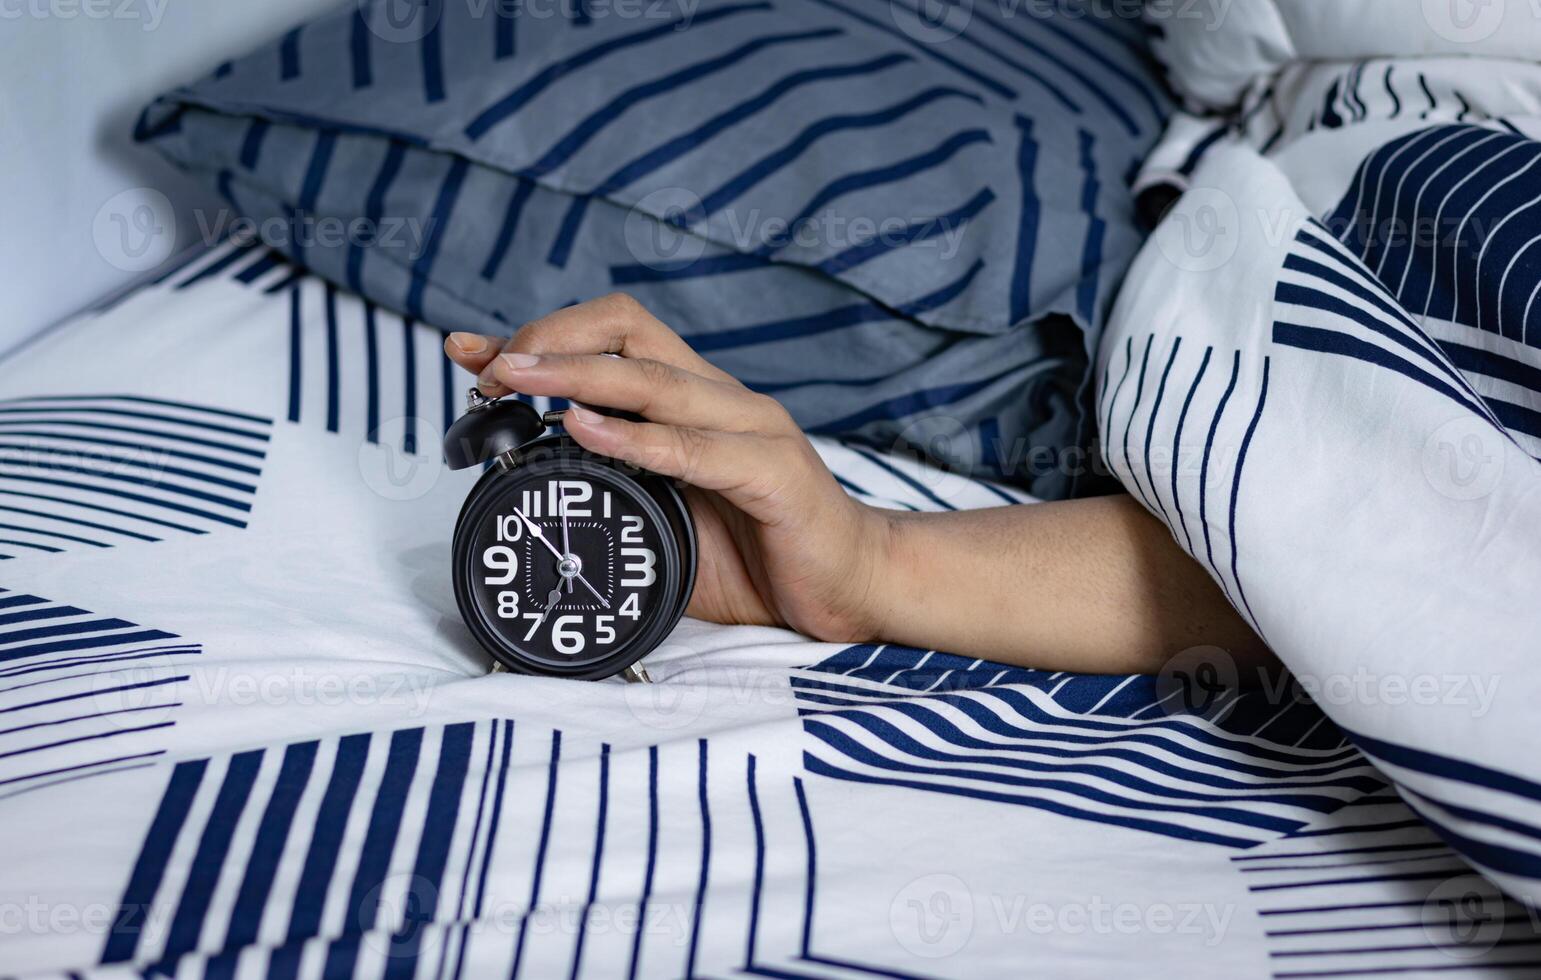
[1325, 376]
[918, 718]
[274, 750]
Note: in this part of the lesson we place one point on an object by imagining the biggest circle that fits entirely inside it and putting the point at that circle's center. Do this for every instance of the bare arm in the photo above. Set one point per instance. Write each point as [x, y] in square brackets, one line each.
[1095, 585]
[1086, 585]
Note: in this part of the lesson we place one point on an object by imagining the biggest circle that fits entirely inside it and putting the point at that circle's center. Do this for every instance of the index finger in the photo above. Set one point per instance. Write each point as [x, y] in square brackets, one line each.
[614, 324]
[473, 351]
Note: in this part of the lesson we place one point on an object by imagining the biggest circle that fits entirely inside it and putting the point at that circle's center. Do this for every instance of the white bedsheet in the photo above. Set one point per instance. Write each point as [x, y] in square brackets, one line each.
[262, 743]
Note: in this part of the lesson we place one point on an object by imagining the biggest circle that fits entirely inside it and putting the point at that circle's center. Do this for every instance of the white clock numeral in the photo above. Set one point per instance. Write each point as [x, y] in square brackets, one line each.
[529, 503]
[631, 529]
[642, 566]
[631, 608]
[604, 633]
[535, 619]
[565, 636]
[508, 605]
[500, 558]
[565, 494]
[510, 527]
[607, 503]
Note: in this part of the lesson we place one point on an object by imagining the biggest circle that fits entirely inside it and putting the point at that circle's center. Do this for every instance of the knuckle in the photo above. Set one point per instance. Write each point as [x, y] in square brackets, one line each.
[623, 304]
[656, 374]
[793, 446]
[530, 338]
[773, 414]
[692, 444]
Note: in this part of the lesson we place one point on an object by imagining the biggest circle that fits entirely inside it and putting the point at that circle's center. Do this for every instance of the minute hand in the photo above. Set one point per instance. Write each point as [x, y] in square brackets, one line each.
[567, 547]
[536, 532]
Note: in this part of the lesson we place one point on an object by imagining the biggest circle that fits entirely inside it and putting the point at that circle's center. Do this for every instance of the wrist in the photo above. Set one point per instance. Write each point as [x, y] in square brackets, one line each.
[880, 574]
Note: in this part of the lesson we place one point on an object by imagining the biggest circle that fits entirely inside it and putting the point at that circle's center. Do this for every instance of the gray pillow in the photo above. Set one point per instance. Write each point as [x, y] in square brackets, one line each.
[905, 229]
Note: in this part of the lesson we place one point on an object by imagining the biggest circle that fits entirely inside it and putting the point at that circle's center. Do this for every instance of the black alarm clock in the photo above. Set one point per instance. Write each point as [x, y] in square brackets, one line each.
[566, 563]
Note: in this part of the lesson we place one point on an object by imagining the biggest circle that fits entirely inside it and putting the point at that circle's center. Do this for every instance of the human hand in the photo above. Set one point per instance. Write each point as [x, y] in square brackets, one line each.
[779, 542]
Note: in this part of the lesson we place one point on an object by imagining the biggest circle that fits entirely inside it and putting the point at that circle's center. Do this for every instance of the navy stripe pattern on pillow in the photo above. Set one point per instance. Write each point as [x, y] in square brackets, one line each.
[937, 221]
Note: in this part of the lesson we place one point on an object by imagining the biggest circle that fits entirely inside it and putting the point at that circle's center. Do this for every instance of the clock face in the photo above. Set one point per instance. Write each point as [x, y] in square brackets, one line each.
[569, 564]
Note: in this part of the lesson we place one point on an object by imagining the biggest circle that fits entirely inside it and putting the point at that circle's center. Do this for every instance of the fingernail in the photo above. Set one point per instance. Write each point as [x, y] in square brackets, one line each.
[519, 362]
[585, 415]
[468, 343]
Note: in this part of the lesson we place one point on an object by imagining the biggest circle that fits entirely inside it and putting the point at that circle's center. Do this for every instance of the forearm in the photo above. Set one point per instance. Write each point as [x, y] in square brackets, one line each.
[1087, 585]
[1094, 585]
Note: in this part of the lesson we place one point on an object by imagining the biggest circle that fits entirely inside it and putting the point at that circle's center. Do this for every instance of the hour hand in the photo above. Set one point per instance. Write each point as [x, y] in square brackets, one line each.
[552, 598]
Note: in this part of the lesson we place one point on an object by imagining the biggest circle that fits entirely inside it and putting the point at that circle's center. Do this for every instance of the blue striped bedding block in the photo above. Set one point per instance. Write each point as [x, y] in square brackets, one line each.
[1324, 375]
[906, 224]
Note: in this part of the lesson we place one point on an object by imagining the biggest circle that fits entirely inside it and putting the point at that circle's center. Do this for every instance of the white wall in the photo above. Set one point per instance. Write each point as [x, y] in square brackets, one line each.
[80, 211]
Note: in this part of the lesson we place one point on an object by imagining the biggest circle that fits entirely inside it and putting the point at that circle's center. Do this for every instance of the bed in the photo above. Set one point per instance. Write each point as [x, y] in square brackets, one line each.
[244, 731]
[248, 734]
